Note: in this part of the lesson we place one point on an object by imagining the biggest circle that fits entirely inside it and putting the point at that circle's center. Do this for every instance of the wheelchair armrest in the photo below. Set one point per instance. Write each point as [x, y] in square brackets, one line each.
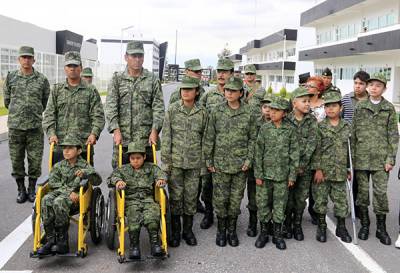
[84, 182]
[42, 180]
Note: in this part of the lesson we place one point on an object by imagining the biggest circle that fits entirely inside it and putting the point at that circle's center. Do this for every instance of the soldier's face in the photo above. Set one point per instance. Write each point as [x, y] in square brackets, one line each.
[73, 71]
[71, 152]
[327, 80]
[87, 79]
[250, 77]
[276, 114]
[134, 61]
[223, 76]
[376, 89]
[194, 73]
[332, 110]
[136, 160]
[302, 104]
[26, 62]
[359, 86]
[232, 95]
[265, 111]
[188, 94]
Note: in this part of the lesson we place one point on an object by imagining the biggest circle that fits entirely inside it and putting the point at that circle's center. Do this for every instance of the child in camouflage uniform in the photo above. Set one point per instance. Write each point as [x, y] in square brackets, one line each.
[137, 179]
[183, 130]
[330, 164]
[64, 184]
[276, 162]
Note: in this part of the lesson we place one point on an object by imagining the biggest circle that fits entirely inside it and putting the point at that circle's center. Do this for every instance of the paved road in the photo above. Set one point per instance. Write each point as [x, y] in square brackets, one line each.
[307, 256]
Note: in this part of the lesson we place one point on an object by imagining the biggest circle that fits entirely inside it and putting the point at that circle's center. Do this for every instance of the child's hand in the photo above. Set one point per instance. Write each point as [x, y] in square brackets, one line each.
[319, 177]
[120, 185]
[161, 183]
[290, 183]
[388, 167]
[349, 175]
[74, 197]
[211, 169]
[79, 173]
[259, 182]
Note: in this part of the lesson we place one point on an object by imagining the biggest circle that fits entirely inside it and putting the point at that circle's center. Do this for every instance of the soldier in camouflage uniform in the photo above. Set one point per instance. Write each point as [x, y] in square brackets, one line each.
[74, 107]
[327, 79]
[330, 163]
[25, 96]
[134, 104]
[63, 198]
[375, 142]
[182, 139]
[87, 75]
[276, 162]
[228, 150]
[306, 125]
[138, 179]
[210, 100]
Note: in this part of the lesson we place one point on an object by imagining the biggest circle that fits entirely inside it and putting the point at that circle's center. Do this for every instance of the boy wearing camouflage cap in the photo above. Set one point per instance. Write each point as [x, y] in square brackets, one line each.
[137, 178]
[228, 151]
[375, 142]
[330, 163]
[64, 184]
[183, 131]
[276, 162]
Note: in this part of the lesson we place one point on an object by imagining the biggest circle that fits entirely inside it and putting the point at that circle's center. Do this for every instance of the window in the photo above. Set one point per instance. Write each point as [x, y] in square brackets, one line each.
[278, 78]
[390, 19]
[289, 79]
[271, 78]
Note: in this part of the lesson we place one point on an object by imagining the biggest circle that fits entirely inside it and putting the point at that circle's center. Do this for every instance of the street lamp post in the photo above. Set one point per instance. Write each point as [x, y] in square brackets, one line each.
[122, 33]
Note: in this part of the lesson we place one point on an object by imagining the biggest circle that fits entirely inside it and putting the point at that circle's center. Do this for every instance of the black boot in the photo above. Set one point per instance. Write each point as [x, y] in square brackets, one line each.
[278, 238]
[208, 219]
[341, 230]
[381, 233]
[221, 232]
[187, 233]
[155, 244]
[311, 211]
[200, 207]
[287, 230]
[175, 239]
[62, 246]
[321, 229]
[364, 220]
[46, 249]
[270, 228]
[263, 238]
[297, 229]
[233, 239]
[252, 228]
[22, 195]
[134, 251]
[32, 189]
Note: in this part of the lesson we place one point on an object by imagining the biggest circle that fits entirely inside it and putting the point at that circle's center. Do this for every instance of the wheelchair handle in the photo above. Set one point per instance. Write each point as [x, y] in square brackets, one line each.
[84, 182]
[51, 156]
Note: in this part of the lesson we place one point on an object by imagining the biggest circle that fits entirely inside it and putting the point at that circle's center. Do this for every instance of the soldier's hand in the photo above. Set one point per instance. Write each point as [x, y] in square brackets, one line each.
[290, 183]
[388, 167]
[117, 137]
[53, 139]
[79, 173]
[153, 137]
[120, 185]
[74, 197]
[349, 176]
[319, 177]
[259, 182]
[211, 169]
[245, 168]
[161, 183]
[91, 140]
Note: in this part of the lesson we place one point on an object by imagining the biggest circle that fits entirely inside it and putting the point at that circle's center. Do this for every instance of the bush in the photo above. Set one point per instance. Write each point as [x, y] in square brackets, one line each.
[270, 90]
[283, 92]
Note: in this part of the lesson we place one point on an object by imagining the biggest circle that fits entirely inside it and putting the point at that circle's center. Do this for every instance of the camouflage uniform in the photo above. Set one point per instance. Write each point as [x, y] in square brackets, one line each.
[331, 88]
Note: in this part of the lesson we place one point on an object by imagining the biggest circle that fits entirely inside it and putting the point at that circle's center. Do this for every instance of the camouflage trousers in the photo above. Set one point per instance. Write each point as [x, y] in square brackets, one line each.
[125, 157]
[207, 190]
[228, 191]
[31, 143]
[142, 213]
[183, 188]
[273, 193]
[251, 191]
[379, 190]
[56, 207]
[298, 194]
[336, 190]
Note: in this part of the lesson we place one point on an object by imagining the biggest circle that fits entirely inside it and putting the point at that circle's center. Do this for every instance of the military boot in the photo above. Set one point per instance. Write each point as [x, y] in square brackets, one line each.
[175, 239]
[270, 228]
[221, 232]
[381, 233]
[233, 239]
[208, 219]
[62, 246]
[278, 238]
[341, 230]
[134, 250]
[46, 249]
[22, 195]
[364, 220]
[262, 238]
[321, 229]
[297, 229]
[252, 228]
[31, 189]
[287, 230]
[187, 233]
[155, 245]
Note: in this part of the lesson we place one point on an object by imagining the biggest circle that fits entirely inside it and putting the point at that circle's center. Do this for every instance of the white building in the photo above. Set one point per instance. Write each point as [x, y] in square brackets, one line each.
[353, 35]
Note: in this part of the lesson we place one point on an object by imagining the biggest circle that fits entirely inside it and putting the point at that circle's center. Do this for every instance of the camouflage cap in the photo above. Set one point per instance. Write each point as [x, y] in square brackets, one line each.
[87, 72]
[327, 72]
[378, 77]
[72, 57]
[189, 82]
[300, 92]
[250, 68]
[136, 147]
[268, 98]
[134, 47]
[225, 64]
[234, 83]
[71, 140]
[279, 103]
[193, 64]
[26, 51]
[332, 97]
[258, 78]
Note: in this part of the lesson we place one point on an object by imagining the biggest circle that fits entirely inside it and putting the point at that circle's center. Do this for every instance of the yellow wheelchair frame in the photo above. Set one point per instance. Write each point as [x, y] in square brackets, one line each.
[90, 199]
[160, 197]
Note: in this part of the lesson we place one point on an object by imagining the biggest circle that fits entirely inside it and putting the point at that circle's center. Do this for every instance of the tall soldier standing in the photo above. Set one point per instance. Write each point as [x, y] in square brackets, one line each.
[25, 96]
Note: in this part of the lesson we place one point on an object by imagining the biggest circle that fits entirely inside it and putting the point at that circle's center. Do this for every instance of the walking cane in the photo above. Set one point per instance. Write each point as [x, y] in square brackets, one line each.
[349, 184]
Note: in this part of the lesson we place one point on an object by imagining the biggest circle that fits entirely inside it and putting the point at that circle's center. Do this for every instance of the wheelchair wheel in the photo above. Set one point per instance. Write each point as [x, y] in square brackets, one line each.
[96, 215]
[110, 220]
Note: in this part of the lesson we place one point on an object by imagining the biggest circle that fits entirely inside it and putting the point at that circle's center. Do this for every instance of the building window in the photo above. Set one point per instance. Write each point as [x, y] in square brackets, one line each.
[289, 79]
[278, 78]
[271, 78]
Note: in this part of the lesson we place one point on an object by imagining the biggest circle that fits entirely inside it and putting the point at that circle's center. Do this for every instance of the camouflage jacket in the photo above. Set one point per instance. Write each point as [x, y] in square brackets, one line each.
[176, 95]
[139, 183]
[135, 106]
[331, 155]
[182, 136]
[211, 99]
[73, 110]
[375, 135]
[307, 130]
[331, 88]
[25, 97]
[255, 100]
[260, 121]
[277, 152]
[230, 138]
[62, 177]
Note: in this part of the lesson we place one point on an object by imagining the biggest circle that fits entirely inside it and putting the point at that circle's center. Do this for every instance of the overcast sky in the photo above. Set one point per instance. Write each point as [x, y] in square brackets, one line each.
[204, 26]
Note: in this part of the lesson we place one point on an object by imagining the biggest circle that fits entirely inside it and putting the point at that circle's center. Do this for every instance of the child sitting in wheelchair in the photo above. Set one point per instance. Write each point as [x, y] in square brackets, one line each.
[137, 179]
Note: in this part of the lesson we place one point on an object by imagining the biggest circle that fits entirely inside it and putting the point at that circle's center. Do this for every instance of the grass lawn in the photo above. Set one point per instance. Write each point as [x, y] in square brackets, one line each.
[3, 111]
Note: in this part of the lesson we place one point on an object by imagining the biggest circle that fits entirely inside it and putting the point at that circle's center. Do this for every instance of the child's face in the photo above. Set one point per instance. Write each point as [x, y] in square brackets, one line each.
[265, 110]
[302, 104]
[136, 160]
[376, 88]
[276, 114]
[188, 94]
[232, 95]
[71, 152]
[332, 110]
[359, 86]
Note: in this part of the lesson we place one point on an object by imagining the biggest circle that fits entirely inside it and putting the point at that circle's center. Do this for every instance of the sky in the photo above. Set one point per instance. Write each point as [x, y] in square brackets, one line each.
[204, 27]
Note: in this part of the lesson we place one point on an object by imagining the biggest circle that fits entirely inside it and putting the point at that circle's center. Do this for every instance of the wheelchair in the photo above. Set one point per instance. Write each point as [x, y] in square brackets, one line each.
[115, 220]
[89, 217]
